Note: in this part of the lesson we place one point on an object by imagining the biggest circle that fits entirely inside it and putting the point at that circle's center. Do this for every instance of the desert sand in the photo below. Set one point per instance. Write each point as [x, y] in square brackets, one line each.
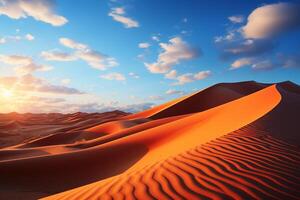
[229, 141]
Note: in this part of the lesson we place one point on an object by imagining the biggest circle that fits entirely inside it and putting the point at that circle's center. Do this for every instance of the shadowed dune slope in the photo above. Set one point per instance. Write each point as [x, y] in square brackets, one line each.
[283, 121]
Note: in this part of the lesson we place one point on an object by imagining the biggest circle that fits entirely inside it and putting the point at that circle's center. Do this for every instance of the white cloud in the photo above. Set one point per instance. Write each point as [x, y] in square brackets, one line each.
[66, 81]
[230, 36]
[94, 58]
[23, 64]
[273, 19]
[114, 76]
[2, 40]
[263, 65]
[15, 59]
[41, 10]
[16, 38]
[118, 15]
[72, 44]
[171, 75]
[57, 56]
[156, 98]
[241, 63]
[256, 64]
[190, 77]
[236, 19]
[31, 83]
[29, 37]
[155, 38]
[144, 45]
[30, 68]
[173, 92]
[173, 53]
[133, 75]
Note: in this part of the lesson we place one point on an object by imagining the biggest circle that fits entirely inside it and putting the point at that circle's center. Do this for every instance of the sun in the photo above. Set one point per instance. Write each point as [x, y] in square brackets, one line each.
[7, 93]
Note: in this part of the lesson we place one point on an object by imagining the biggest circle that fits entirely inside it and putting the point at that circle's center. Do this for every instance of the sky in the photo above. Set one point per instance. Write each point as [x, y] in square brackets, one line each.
[102, 55]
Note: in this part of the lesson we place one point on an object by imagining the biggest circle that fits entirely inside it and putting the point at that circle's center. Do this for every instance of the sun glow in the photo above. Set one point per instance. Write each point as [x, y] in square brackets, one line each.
[7, 93]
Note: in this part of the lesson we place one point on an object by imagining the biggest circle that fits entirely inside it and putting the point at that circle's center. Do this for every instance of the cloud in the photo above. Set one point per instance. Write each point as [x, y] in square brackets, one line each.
[72, 44]
[236, 19]
[16, 38]
[30, 68]
[173, 53]
[144, 45]
[263, 65]
[40, 10]
[114, 76]
[134, 108]
[155, 38]
[66, 81]
[171, 75]
[230, 36]
[15, 59]
[57, 56]
[271, 20]
[118, 15]
[133, 75]
[241, 62]
[96, 107]
[2, 40]
[31, 83]
[29, 37]
[173, 92]
[246, 48]
[94, 58]
[156, 98]
[23, 64]
[256, 64]
[289, 61]
[190, 77]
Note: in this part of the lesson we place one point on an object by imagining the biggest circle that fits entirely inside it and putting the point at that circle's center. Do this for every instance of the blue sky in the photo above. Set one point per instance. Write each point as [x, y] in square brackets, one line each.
[99, 55]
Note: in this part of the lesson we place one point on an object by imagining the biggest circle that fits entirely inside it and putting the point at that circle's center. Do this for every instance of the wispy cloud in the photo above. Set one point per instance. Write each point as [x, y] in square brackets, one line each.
[114, 76]
[57, 56]
[23, 64]
[236, 19]
[190, 77]
[173, 92]
[144, 45]
[82, 51]
[29, 37]
[118, 14]
[31, 83]
[41, 10]
[134, 75]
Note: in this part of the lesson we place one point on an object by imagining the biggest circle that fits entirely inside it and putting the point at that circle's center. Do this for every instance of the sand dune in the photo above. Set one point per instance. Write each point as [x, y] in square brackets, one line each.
[229, 141]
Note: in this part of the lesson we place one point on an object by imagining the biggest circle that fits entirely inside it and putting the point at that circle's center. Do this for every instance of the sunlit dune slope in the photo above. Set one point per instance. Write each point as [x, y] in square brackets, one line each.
[219, 143]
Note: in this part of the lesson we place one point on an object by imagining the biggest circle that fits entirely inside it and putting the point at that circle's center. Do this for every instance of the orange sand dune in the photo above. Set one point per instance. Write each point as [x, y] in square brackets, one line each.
[224, 142]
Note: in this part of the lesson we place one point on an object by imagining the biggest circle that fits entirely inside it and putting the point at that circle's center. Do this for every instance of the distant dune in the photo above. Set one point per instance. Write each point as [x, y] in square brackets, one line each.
[229, 141]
